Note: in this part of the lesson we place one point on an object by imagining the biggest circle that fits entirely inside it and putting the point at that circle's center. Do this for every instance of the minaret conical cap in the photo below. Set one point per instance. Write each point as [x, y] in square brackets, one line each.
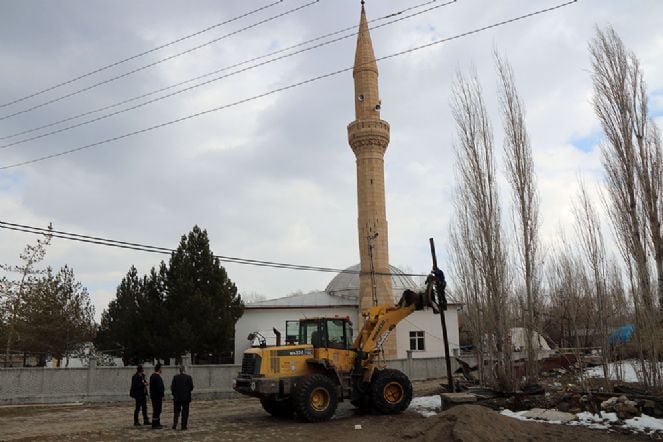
[364, 55]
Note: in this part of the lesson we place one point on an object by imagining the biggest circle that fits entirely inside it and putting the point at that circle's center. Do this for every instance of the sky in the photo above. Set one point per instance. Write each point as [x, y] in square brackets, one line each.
[274, 178]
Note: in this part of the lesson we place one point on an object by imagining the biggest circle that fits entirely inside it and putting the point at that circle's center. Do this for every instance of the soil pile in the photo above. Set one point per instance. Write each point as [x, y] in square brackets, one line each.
[470, 423]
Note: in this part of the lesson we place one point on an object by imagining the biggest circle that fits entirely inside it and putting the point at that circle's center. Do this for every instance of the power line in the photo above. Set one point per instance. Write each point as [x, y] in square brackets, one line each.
[283, 88]
[166, 251]
[141, 68]
[353, 28]
[133, 57]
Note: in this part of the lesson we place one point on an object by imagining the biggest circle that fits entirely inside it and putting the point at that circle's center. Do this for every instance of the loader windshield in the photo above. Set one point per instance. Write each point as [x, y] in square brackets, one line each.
[326, 332]
[311, 332]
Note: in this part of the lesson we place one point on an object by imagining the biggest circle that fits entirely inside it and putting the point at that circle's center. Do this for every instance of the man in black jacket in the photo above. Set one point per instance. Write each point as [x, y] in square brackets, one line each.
[181, 387]
[157, 392]
[138, 391]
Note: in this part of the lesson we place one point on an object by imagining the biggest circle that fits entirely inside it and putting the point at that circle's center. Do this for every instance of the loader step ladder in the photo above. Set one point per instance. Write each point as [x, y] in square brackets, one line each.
[346, 386]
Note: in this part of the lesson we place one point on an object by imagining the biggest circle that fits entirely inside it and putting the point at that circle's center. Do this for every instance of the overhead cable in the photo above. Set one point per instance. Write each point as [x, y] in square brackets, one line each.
[271, 60]
[141, 68]
[133, 57]
[166, 251]
[280, 89]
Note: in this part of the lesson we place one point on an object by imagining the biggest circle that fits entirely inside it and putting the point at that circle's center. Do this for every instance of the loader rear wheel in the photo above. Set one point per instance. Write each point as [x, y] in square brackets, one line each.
[276, 408]
[316, 398]
[391, 392]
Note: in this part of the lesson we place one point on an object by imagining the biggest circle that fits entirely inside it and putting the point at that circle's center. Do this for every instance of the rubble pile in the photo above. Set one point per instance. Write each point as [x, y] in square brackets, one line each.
[464, 423]
[622, 406]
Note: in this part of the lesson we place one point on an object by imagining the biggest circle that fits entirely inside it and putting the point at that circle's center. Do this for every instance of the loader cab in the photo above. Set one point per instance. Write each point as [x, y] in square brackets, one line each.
[326, 332]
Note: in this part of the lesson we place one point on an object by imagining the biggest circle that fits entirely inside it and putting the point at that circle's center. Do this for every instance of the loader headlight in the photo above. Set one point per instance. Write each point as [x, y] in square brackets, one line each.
[253, 386]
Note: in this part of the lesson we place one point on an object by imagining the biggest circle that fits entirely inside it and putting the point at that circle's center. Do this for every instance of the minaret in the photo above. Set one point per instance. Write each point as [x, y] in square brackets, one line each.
[368, 136]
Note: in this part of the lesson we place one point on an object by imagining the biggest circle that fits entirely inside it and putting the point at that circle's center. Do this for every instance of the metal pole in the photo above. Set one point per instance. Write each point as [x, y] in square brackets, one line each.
[440, 286]
[374, 293]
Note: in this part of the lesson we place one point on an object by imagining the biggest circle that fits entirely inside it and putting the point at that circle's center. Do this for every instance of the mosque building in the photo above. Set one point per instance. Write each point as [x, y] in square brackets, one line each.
[373, 281]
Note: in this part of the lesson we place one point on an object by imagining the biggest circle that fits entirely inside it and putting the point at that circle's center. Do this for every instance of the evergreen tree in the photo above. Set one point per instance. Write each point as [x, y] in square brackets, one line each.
[12, 291]
[121, 330]
[58, 316]
[153, 315]
[202, 302]
[187, 306]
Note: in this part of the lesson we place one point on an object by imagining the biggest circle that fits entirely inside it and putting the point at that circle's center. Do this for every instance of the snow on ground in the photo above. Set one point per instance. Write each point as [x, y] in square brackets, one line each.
[603, 421]
[627, 371]
[427, 406]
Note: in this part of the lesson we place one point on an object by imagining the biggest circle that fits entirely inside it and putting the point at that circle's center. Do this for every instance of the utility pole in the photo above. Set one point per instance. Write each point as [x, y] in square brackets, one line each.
[440, 288]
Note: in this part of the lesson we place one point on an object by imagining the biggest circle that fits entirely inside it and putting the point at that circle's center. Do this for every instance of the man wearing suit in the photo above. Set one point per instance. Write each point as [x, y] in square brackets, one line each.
[181, 387]
[139, 393]
[157, 392]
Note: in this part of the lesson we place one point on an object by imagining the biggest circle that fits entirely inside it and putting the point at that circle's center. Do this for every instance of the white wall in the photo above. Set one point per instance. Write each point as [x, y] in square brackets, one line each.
[263, 320]
[429, 323]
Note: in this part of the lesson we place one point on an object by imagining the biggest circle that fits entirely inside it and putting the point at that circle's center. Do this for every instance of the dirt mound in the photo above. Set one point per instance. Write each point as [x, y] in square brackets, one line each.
[469, 423]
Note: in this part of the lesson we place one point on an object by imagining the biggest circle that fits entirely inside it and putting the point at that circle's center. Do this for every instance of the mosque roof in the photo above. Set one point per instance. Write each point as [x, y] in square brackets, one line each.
[346, 285]
[302, 300]
[342, 291]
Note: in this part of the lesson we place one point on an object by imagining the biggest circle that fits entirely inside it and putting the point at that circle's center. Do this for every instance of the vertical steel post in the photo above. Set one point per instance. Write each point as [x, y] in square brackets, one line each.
[440, 286]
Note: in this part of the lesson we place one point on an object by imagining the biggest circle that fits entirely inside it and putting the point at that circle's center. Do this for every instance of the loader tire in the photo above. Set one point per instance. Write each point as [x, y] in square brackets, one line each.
[315, 398]
[280, 409]
[391, 392]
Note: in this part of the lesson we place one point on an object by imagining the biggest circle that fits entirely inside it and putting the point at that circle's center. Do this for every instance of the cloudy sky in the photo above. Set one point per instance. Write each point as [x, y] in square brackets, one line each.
[274, 178]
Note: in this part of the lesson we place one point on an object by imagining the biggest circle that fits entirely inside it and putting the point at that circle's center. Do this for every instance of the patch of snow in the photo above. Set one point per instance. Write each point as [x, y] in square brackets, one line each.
[627, 370]
[521, 415]
[599, 421]
[427, 406]
[602, 421]
[645, 424]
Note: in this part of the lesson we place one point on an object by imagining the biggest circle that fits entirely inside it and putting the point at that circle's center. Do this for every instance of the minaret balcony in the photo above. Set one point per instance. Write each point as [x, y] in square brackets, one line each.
[368, 133]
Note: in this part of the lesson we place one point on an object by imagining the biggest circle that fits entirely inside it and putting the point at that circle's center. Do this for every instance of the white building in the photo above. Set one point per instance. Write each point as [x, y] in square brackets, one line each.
[421, 332]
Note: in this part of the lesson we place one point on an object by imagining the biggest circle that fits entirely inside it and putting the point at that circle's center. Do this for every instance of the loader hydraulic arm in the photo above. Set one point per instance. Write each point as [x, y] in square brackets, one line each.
[382, 319]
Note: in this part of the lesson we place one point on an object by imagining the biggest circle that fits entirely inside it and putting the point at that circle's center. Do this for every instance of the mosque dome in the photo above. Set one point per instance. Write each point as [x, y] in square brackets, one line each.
[346, 285]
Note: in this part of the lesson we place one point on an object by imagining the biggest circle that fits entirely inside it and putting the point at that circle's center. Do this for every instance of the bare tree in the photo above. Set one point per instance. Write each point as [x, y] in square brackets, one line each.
[520, 174]
[590, 235]
[633, 162]
[12, 291]
[480, 212]
[569, 290]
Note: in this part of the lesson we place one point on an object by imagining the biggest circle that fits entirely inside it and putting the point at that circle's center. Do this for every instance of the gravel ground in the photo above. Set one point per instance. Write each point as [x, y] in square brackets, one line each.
[244, 420]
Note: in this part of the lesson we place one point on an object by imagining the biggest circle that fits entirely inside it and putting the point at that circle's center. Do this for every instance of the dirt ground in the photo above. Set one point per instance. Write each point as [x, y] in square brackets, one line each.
[244, 420]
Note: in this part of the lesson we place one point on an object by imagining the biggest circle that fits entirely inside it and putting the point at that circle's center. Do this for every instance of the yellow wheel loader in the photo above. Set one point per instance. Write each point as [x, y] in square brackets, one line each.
[321, 364]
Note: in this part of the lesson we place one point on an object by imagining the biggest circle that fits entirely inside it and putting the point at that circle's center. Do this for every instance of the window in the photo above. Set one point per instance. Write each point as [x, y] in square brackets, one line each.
[309, 333]
[291, 332]
[417, 340]
[336, 333]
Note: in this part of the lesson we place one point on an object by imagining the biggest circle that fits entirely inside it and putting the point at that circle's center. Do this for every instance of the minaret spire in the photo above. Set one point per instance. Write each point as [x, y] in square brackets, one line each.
[368, 136]
[365, 73]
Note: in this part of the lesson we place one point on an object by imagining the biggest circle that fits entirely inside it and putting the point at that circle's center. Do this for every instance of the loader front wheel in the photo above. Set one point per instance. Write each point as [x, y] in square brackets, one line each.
[391, 392]
[316, 398]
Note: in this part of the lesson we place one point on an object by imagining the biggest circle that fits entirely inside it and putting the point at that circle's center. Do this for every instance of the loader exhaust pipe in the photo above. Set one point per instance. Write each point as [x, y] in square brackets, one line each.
[278, 337]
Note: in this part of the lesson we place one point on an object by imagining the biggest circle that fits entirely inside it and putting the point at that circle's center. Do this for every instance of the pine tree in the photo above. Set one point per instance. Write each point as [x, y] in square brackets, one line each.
[121, 331]
[202, 302]
[58, 316]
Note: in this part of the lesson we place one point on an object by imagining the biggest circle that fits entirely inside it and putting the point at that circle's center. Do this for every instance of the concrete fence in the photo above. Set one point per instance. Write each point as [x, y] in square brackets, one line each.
[111, 384]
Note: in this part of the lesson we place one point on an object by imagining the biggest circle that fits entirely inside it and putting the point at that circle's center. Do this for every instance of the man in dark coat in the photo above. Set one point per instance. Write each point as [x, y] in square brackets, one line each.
[181, 387]
[138, 391]
[157, 392]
